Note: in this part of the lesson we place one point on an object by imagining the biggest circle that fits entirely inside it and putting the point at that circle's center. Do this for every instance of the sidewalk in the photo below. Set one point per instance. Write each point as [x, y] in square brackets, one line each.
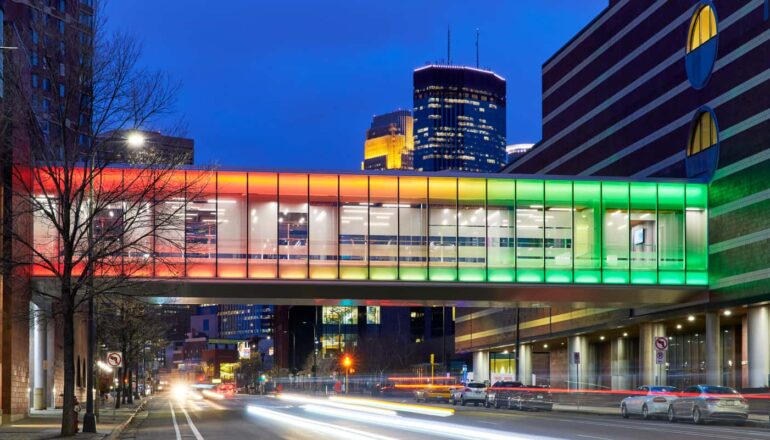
[46, 424]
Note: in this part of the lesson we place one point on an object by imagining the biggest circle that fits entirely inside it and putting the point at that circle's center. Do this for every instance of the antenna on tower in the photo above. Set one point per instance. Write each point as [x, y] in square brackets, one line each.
[477, 48]
[448, 45]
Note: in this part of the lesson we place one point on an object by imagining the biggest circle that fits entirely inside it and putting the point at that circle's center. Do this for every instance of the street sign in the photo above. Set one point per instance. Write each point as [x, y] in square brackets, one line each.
[114, 359]
[576, 358]
[661, 343]
[660, 357]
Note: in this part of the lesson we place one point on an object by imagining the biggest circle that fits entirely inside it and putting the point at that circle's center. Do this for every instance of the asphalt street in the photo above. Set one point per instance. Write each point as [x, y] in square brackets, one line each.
[257, 417]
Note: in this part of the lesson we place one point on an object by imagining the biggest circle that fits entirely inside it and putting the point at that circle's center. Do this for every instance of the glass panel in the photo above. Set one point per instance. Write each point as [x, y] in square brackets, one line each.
[696, 234]
[354, 227]
[588, 231]
[373, 315]
[46, 238]
[413, 228]
[201, 225]
[530, 231]
[443, 229]
[231, 225]
[671, 233]
[383, 228]
[263, 225]
[644, 247]
[292, 225]
[501, 233]
[471, 216]
[323, 227]
[616, 248]
[170, 230]
[137, 260]
[558, 232]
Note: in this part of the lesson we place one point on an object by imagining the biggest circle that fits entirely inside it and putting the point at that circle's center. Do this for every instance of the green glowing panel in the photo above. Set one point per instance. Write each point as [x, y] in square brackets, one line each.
[501, 190]
[588, 276]
[413, 274]
[558, 276]
[383, 273]
[443, 274]
[697, 278]
[671, 233]
[472, 274]
[353, 273]
[670, 277]
[502, 275]
[696, 229]
[529, 276]
[643, 277]
[615, 237]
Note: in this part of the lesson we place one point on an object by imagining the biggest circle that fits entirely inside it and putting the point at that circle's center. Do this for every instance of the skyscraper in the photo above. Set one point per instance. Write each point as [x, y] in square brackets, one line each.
[459, 119]
[389, 142]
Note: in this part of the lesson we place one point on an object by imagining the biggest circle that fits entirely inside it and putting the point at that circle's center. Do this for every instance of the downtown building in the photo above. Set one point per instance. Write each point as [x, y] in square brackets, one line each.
[49, 38]
[651, 90]
[459, 119]
[389, 142]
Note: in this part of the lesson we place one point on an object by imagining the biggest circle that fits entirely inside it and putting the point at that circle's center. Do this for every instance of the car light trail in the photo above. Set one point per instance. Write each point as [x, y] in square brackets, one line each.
[418, 425]
[335, 431]
[400, 407]
[324, 402]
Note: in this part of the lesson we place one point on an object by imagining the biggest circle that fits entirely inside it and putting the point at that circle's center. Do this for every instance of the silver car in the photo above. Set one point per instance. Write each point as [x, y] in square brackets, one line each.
[475, 393]
[701, 403]
[650, 401]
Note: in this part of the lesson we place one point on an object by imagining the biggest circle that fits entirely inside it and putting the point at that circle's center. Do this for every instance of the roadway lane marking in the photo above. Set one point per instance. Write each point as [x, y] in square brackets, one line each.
[173, 418]
[593, 436]
[195, 431]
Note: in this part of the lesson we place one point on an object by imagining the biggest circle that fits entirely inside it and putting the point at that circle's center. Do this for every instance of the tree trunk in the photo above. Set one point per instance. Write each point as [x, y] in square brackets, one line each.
[130, 387]
[68, 410]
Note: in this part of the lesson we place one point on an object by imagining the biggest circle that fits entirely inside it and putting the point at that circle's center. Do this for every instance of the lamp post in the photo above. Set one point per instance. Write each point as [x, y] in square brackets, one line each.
[135, 139]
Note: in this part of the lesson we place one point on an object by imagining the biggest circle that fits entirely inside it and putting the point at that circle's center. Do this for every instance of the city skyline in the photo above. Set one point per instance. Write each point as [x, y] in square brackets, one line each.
[332, 84]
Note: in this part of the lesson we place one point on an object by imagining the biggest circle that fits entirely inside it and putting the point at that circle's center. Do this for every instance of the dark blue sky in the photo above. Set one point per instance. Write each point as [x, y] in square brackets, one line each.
[294, 83]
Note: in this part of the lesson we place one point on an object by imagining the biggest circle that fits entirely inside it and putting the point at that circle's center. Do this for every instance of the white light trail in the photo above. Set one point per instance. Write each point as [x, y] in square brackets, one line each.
[335, 431]
[400, 407]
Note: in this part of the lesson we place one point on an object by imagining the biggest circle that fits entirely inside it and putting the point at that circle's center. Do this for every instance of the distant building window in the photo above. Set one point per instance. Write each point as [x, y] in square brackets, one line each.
[703, 27]
[372, 315]
[62, 5]
[205, 325]
[34, 80]
[61, 90]
[46, 84]
[704, 133]
[35, 38]
[61, 27]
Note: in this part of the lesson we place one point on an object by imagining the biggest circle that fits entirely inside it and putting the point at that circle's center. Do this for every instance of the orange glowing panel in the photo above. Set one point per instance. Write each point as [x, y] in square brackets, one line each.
[231, 224]
[201, 224]
[292, 226]
[322, 227]
[383, 189]
[263, 225]
[354, 227]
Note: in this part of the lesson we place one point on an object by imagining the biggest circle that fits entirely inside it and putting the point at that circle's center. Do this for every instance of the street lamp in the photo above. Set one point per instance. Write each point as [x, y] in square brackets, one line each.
[136, 139]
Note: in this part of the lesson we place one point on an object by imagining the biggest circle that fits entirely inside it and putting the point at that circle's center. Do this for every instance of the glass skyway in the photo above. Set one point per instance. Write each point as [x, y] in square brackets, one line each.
[406, 227]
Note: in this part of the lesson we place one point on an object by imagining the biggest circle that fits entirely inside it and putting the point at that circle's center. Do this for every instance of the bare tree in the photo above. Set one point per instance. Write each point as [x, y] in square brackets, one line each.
[97, 228]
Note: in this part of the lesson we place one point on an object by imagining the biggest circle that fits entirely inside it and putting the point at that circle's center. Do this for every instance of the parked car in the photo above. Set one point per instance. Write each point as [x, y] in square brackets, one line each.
[651, 401]
[531, 398]
[438, 393]
[499, 392]
[701, 403]
[473, 392]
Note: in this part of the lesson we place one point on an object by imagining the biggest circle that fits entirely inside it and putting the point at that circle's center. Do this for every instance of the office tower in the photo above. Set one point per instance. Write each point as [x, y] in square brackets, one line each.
[459, 119]
[389, 142]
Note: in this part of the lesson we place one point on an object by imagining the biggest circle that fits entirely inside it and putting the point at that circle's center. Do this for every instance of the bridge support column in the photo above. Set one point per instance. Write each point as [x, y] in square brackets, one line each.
[621, 355]
[577, 350]
[650, 373]
[38, 363]
[481, 366]
[713, 349]
[525, 367]
[759, 347]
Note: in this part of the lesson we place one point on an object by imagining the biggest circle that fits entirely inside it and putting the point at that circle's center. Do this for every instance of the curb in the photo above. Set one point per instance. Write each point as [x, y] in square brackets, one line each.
[754, 423]
[122, 427]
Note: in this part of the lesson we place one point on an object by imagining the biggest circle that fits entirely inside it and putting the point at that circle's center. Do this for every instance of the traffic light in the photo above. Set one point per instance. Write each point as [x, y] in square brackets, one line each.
[347, 361]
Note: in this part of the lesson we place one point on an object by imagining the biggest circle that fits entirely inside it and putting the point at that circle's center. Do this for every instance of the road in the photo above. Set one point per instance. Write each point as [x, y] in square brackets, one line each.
[255, 417]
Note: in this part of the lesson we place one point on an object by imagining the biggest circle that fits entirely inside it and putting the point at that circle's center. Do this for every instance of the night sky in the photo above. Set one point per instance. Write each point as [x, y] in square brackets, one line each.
[294, 83]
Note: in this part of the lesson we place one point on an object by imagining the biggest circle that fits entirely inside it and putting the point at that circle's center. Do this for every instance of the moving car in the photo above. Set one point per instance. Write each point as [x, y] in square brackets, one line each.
[471, 393]
[438, 393]
[515, 395]
[701, 403]
[651, 401]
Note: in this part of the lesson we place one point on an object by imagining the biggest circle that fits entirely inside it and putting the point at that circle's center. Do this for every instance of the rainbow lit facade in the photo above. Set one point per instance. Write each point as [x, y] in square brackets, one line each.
[408, 227]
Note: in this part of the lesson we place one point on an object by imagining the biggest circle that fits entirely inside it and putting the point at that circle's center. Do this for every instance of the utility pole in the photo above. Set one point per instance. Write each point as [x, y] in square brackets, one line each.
[448, 45]
[477, 48]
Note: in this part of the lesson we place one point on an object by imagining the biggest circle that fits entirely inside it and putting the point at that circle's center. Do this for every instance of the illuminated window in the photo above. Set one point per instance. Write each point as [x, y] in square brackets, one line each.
[372, 315]
[703, 28]
[704, 133]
